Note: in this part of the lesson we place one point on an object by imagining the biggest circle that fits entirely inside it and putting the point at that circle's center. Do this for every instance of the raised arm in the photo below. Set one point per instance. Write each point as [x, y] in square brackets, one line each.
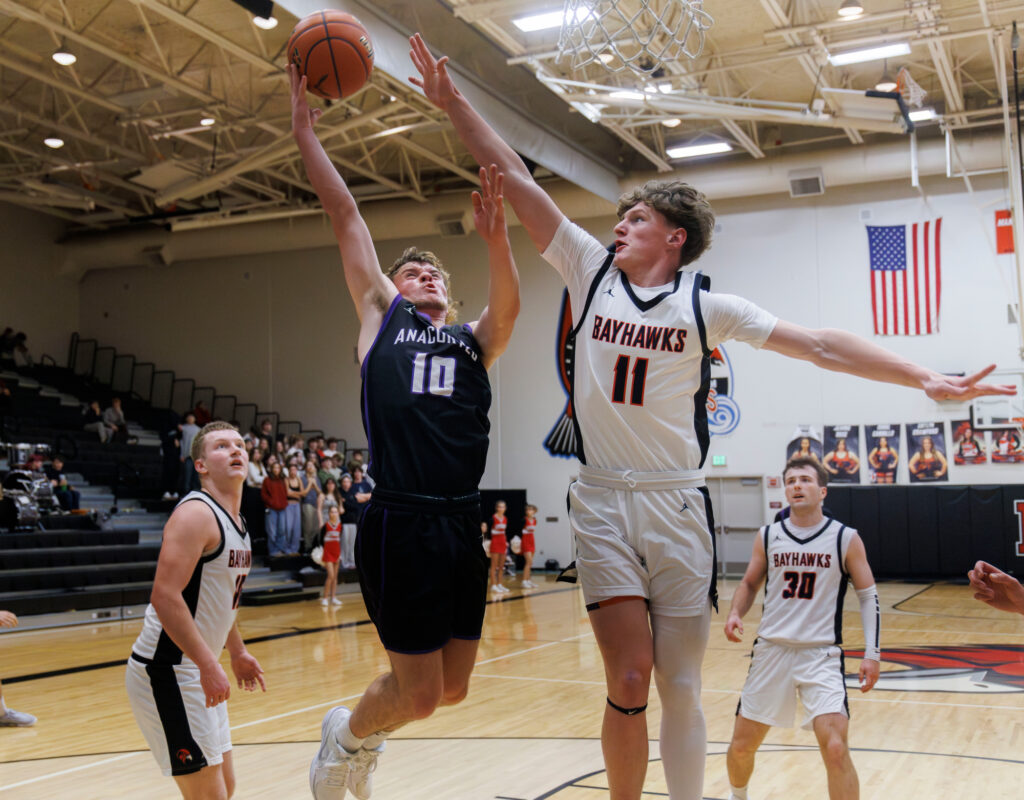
[371, 291]
[842, 351]
[745, 593]
[534, 208]
[494, 328]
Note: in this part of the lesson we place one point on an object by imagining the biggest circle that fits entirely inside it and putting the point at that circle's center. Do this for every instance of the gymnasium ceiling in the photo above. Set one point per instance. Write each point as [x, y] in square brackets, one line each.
[135, 154]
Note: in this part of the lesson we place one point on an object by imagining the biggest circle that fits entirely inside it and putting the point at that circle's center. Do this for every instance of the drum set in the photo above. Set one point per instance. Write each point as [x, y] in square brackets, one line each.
[25, 491]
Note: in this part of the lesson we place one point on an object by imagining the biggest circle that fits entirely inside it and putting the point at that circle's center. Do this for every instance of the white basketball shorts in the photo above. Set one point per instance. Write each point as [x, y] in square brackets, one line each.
[644, 542]
[778, 673]
[170, 707]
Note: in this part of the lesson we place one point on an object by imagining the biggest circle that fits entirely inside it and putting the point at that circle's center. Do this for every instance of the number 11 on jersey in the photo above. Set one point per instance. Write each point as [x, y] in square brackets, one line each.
[622, 374]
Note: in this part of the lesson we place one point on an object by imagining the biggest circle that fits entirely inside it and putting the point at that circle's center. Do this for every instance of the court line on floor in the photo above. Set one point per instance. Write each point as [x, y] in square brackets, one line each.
[69, 770]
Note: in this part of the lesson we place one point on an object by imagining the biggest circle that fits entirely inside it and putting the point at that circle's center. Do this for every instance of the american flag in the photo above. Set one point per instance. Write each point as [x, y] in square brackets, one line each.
[906, 278]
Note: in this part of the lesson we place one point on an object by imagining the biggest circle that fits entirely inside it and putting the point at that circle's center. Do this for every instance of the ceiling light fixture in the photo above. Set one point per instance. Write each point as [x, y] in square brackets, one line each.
[886, 82]
[266, 23]
[850, 9]
[606, 57]
[671, 123]
[53, 142]
[206, 122]
[922, 114]
[63, 56]
[691, 150]
[869, 54]
[549, 19]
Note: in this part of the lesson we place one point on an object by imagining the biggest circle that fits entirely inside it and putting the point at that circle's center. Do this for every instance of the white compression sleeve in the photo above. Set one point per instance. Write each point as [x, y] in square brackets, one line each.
[870, 619]
[679, 644]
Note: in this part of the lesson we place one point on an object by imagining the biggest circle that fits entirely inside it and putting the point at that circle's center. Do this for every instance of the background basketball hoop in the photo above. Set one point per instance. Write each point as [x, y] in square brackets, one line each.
[639, 35]
[913, 94]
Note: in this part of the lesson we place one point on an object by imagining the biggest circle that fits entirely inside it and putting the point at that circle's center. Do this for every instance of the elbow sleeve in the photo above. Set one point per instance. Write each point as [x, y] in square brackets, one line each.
[870, 618]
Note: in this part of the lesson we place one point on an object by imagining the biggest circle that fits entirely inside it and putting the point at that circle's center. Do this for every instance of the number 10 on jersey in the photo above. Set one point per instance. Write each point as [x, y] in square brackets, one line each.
[433, 374]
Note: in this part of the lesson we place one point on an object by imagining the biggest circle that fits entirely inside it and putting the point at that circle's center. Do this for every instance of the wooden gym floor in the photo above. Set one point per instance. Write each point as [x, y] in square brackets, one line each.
[948, 723]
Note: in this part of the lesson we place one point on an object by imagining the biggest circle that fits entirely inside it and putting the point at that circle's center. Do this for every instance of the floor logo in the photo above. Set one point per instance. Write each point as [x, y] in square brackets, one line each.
[972, 669]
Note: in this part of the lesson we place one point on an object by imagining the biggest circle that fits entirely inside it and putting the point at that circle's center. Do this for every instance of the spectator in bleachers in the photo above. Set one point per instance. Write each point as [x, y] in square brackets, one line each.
[189, 477]
[68, 497]
[361, 488]
[331, 448]
[311, 493]
[293, 516]
[257, 470]
[93, 417]
[115, 421]
[328, 470]
[356, 460]
[280, 449]
[13, 346]
[267, 430]
[350, 513]
[297, 447]
[274, 492]
[8, 716]
[202, 414]
[170, 448]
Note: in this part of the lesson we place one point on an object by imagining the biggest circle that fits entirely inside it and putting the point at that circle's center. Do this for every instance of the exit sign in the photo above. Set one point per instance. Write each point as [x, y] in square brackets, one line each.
[718, 461]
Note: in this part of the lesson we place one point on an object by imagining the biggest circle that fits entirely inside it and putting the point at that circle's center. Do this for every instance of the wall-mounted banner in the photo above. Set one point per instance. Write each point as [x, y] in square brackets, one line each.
[806, 441]
[1004, 231]
[883, 446]
[926, 443]
[842, 446]
[968, 444]
[1006, 446]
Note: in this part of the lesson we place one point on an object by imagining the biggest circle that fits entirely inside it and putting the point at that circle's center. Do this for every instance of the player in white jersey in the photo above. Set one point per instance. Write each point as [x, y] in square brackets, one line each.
[176, 685]
[640, 511]
[808, 559]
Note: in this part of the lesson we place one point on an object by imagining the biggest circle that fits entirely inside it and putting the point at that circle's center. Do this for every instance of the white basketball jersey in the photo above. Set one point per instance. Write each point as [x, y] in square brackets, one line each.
[803, 596]
[641, 365]
[212, 593]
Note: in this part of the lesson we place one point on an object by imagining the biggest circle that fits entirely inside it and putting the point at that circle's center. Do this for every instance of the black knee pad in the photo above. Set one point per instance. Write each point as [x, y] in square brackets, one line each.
[629, 712]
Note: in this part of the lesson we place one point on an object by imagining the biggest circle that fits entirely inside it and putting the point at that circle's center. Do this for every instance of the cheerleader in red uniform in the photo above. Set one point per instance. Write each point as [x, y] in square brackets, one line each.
[529, 545]
[330, 540]
[498, 546]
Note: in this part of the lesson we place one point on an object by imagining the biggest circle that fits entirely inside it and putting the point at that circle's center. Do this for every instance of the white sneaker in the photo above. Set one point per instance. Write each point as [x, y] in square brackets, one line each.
[324, 602]
[335, 601]
[503, 588]
[17, 719]
[328, 773]
[528, 585]
[360, 779]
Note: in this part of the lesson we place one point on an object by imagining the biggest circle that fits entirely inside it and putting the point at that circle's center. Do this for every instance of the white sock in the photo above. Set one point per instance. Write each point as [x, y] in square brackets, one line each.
[679, 644]
[738, 793]
[3, 708]
[375, 740]
[348, 740]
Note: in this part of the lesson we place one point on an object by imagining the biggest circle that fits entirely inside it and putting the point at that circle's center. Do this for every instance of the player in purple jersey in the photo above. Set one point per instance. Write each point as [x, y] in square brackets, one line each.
[425, 401]
[663, 226]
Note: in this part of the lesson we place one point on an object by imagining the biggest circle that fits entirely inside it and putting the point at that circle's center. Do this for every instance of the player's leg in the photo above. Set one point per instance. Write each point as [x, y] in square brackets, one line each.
[623, 634]
[10, 717]
[679, 645]
[206, 784]
[831, 731]
[747, 736]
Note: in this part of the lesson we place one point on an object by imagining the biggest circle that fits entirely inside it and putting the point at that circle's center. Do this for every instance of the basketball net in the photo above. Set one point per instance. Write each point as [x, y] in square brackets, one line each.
[913, 94]
[639, 35]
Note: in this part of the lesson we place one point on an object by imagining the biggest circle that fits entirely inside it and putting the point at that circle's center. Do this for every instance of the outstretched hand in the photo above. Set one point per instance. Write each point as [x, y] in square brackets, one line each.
[248, 672]
[302, 115]
[949, 387]
[434, 79]
[995, 587]
[489, 206]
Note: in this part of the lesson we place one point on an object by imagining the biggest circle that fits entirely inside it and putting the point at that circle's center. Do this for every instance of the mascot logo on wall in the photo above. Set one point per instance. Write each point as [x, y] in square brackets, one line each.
[723, 413]
[972, 669]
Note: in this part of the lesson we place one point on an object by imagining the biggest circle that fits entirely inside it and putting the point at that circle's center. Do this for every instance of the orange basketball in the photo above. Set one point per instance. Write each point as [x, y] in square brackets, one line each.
[333, 50]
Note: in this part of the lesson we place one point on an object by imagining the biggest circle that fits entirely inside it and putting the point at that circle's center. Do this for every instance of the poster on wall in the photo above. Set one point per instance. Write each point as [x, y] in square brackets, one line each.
[883, 445]
[1007, 446]
[805, 442]
[842, 448]
[926, 443]
[968, 444]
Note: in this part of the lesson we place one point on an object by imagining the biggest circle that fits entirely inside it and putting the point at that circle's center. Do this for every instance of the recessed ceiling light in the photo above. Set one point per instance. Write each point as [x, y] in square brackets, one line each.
[691, 150]
[266, 23]
[206, 122]
[64, 57]
[922, 114]
[53, 142]
[869, 54]
[671, 123]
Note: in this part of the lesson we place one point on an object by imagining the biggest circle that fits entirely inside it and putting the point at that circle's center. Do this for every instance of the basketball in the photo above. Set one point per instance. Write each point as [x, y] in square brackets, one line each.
[333, 50]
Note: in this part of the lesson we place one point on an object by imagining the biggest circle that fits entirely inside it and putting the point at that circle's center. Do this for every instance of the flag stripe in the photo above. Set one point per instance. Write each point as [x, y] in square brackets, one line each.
[885, 309]
[917, 305]
[938, 273]
[906, 306]
[927, 283]
[895, 304]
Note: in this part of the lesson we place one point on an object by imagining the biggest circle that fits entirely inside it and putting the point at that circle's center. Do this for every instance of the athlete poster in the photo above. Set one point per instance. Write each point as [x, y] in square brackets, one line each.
[926, 443]
[883, 448]
[842, 453]
[805, 442]
[968, 444]
[1007, 446]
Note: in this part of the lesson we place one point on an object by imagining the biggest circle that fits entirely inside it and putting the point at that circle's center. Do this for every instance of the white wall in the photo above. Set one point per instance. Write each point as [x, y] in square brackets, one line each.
[34, 298]
[280, 331]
